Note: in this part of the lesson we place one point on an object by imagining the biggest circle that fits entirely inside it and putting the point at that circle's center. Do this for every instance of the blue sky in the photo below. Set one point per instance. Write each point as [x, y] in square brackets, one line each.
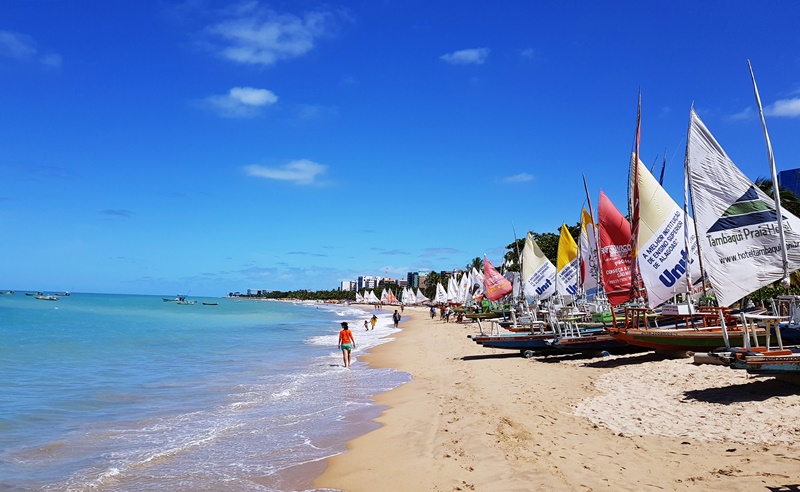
[157, 147]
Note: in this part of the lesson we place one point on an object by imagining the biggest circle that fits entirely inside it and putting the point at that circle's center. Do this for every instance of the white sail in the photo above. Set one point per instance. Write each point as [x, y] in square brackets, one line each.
[441, 294]
[373, 298]
[477, 280]
[538, 271]
[662, 251]
[463, 288]
[737, 222]
[452, 290]
[588, 254]
[420, 296]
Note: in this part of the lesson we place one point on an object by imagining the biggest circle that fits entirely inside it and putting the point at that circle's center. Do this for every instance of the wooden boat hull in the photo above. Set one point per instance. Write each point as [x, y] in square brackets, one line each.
[491, 315]
[704, 340]
[773, 364]
[516, 342]
[602, 342]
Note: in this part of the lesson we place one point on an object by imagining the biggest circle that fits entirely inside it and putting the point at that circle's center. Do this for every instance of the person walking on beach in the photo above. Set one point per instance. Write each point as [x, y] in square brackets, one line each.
[346, 343]
[433, 312]
[366, 325]
[374, 321]
[396, 318]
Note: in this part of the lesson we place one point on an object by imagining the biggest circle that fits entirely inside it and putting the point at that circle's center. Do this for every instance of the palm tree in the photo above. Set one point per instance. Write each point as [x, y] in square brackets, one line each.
[430, 285]
[789, 200]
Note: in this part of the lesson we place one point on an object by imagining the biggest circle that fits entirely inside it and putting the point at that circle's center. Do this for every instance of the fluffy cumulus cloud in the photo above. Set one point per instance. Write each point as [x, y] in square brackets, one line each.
[301, 172]
[242, 102]
[253, 35]
[787, 108]
[474, 56]
[21, 47]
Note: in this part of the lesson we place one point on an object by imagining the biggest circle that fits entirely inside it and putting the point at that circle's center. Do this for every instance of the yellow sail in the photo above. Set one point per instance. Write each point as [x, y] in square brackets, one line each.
[567, 249]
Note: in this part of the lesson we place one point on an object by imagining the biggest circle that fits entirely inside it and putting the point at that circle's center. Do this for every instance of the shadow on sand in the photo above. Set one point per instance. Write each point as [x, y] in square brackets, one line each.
[759, 390]
[503, 355]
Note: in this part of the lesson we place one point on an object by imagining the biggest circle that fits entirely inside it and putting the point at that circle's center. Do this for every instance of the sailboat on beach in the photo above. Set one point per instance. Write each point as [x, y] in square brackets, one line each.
[665, 257]
[750, 241]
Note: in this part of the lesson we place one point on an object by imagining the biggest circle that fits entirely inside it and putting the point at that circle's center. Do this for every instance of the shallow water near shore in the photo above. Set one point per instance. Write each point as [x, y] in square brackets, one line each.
[112, 392]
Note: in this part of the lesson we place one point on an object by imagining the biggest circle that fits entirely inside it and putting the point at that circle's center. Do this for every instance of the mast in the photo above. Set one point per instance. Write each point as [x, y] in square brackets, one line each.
[688, 177]
[634, 204]
[596, 233]
[775, 187]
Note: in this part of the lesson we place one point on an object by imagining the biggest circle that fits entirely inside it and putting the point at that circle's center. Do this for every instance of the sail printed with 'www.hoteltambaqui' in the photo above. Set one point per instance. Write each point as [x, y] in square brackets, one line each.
[737, 222]
[663, 255]
[538, 271]
[567, 264]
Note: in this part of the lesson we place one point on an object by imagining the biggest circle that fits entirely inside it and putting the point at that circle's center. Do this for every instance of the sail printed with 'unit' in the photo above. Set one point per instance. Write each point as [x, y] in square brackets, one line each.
[737, 222]
[567, 264]
[538, 272]
[663, 255]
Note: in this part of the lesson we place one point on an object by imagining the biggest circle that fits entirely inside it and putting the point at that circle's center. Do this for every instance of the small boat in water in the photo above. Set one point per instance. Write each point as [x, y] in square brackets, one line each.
[8, 292]
[210, 304]
[47, 298]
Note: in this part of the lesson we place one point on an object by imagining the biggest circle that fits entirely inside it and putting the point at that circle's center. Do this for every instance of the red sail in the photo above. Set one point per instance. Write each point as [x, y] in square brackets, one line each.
[496, 285]
[615, 251]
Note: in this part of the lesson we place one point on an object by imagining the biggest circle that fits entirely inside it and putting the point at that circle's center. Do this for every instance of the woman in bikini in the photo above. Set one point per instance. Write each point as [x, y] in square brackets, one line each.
[346, 343]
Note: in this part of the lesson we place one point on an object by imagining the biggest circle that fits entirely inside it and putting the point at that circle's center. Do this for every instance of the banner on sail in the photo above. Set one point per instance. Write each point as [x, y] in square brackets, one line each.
[588, 254]
[537, 270]
[614, 233]
[567, 264]
[664, 256]
[496, 285]
[737, 222]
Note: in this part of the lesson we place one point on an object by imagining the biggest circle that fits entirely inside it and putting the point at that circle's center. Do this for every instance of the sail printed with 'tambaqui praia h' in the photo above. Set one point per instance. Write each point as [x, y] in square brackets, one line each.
[736, 221]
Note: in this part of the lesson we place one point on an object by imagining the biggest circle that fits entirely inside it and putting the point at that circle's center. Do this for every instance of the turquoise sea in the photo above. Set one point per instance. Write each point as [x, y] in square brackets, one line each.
[130, 393]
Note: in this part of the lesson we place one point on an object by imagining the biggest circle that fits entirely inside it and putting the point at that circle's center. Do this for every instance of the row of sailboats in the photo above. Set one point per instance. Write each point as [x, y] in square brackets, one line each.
[747, 242]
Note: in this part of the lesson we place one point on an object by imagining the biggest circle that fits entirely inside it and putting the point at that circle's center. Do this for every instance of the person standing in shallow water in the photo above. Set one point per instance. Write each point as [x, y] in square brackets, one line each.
[373, 321]
[396, 318]
[346, 343]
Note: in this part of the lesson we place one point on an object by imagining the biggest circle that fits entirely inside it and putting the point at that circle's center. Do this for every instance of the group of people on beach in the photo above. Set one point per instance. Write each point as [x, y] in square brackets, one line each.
[347, 342]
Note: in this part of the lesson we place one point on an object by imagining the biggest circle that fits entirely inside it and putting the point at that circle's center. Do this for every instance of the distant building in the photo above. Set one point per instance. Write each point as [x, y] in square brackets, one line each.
[367, 282]
[790, 180]
[413, 279]
[345, 285]
[401, 282]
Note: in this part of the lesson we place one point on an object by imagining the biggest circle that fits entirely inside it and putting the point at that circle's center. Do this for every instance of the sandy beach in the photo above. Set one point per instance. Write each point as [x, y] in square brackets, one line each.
[474, 418]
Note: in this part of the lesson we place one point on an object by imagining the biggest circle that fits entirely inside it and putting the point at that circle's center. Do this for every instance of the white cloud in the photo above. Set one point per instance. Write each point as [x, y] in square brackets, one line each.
[301, 172]
[474, 56]
[51, 60]
[518, 178]
[242, 102]
[789, 108]
[256, 36]
[744, 114]
[13, 45]
[22, 47]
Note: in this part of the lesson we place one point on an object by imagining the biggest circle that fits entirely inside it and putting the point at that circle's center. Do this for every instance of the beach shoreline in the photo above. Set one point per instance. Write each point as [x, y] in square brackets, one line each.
[473, 418]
